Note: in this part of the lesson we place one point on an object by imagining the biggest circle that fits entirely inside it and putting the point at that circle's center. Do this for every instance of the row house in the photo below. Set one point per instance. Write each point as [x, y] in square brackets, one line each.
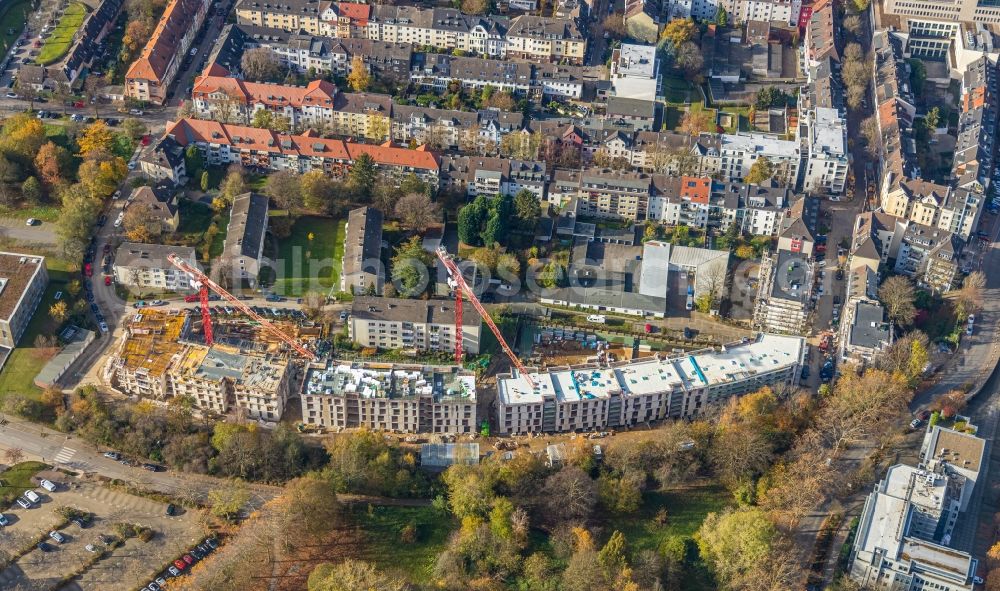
[480, 175]
[223, 144]
[977, 126]
[441, 28]
[222, 98]
[150, 75]
[895, 110]
[288, 15]
[438, 71]
[955, 210]
[545, 39]
[614, 194]
[702, 202]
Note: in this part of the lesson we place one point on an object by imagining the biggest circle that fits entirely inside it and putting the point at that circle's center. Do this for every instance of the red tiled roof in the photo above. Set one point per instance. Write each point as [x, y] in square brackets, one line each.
[187, 131]
[317, 93]
[697, 189]
[358, 13]
[165, 42]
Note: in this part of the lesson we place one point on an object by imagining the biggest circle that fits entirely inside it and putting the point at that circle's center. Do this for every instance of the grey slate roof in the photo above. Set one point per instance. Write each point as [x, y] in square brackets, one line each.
[247, 225]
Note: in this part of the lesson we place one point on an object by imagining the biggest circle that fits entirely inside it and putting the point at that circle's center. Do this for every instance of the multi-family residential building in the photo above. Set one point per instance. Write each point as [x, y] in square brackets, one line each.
[701, 202]
[784, 11]
[442, 28]
[151, 74]
[649, 389]
[232, 100]
[973, 165]
[150, 344]
[639, 114]
[904, 537]
[545, 39]
[244, 244]
[416, 325]
[930, 255]
[955, 210]
[481, 175]
[614, 194]
[894, 111]
[635, 72]
[362, 270]
[23, 279]
[222, 144]
[437, 71]
[865, 331]
[145, 267]
[363, 115]
[400, 398]
[221, 379]
[288, 15]
[820, 40]
[164, 162]
[828, 163]
[783, 294]
[740, 151]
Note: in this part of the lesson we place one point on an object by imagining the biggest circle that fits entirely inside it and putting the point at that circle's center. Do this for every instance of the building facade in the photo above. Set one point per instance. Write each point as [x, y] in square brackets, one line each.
[419, 325]
[23, 279]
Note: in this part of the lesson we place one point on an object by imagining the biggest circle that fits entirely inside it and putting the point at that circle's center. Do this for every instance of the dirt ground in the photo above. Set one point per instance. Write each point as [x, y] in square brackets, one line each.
[129, 564]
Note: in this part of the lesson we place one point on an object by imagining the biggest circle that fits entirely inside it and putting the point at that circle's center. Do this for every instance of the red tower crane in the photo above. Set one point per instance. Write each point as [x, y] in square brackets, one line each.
[462, 286]
[205, 284]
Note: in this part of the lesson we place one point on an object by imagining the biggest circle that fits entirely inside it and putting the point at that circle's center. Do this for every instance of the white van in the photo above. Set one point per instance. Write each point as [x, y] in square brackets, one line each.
[48, 485]
[32, 496]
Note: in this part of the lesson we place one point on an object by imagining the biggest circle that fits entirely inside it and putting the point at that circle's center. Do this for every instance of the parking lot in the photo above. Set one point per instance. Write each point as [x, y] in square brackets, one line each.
[121, 569]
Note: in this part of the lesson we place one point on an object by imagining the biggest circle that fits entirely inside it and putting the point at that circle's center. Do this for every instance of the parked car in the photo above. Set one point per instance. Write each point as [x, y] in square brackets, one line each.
[171, 510]
[180, 564]
[174, 571]
[915, 423]
[153, 467]
[45, 547]
[90, 548]
[57, 536]
[24, 503]
[3, 520]
[48, 485]
[32, 496]
[113, 455]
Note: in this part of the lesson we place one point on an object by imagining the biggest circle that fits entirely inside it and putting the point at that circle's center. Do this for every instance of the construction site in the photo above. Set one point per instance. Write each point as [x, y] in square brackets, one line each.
[232, 328]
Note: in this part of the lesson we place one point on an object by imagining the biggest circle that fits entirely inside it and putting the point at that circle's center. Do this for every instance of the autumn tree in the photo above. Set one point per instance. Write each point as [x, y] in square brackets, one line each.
[233, 185]
[872, 136]
[694, 123]
[417, 211]
[969, 298]
[59, 312]
[761, 171]
[679, 31]
[139, 224]
[96, 137]
[319, 191]
[475, 6]
[52, 163]
[359, 79]
[102, 177]
[569, 495]
[351, 575]
[734, 541]
[688, 57]
[614, 25]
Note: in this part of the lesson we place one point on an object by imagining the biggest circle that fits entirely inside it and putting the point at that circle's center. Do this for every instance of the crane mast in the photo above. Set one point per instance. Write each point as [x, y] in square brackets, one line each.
[205, 282]
[462, 286]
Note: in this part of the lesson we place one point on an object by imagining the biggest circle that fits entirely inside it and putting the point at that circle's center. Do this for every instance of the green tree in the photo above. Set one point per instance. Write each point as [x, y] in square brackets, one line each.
[319, 192]
[470, 491]
[471, 219]
[31, 189]
[193, 160]
[205, 179]
[527, 208]
[932, 119]
[363, 174]
[761, 170]
[229, 499]
[409, 268]
[232, 186]
[75, 223]
[721, 17]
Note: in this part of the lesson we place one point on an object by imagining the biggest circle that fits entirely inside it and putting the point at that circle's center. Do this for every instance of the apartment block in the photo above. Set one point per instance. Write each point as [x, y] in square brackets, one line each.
[482, 175]
[233, 100]
[362, 271]
[400, 398]
[145, 267]
[783, 295]
[954, 210]
[904, 538]
[650, 389]
[545, 39]
[740, 151]
[614, 194]
[419, 325]
[221, 379]
[149, 76]
[23, 279]
[223, 144]
[828, 163]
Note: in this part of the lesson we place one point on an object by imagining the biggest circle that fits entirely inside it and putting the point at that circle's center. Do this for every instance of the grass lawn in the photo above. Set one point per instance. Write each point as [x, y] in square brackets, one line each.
[17, 479]
[302, 265]
[45, 213]
[686, 509]
[676, 89]
[59, 42]
[26, 360]
[13, 17]
[219, 240]
[195, 217]
[414, 560]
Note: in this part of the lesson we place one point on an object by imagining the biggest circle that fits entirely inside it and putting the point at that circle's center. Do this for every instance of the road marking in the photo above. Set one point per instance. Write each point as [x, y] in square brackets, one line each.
[65, 455]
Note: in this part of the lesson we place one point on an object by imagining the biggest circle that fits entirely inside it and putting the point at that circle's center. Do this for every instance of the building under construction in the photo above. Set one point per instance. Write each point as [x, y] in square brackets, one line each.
[246, 371]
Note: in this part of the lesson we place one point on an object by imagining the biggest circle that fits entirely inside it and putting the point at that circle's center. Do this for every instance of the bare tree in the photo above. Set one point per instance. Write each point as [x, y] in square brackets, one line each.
[969, 298]
[873, 138]
[261, 64]
[14, 455]
[417, 211]
[897, 295]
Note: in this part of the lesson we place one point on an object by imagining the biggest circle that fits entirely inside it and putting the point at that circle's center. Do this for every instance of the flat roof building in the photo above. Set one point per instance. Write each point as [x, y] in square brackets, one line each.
[23, 279]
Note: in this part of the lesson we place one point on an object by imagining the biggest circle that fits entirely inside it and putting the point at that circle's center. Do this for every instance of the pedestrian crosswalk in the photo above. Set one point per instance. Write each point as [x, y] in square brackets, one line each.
[65, 455]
